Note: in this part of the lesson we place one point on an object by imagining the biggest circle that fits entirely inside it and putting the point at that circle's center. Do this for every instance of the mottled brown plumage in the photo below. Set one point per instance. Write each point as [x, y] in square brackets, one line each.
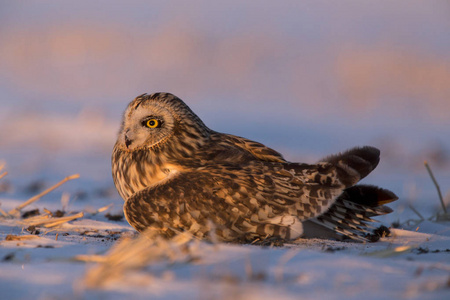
[176, 174]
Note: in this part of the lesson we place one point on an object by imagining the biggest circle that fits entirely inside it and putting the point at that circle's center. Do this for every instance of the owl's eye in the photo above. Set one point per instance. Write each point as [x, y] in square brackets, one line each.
[152, 123]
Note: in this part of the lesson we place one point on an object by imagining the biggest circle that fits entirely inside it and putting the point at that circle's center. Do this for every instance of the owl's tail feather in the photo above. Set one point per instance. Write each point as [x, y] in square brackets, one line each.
[354, 164]
[350, 216]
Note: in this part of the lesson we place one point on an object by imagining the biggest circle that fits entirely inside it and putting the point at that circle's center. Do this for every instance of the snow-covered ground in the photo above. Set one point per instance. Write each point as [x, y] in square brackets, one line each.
[97, 258]
[307, 78]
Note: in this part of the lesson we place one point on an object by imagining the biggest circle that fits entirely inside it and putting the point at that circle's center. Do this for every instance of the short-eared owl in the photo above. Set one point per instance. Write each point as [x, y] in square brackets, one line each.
[175, 174]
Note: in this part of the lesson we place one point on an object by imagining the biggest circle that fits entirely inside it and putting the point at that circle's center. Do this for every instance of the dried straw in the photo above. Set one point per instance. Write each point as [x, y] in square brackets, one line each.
[16, 210]
[2, 165]
[391, 252]
[436, 185]
[133, 254]
[48, 222]
[12, 237]
[104, 208]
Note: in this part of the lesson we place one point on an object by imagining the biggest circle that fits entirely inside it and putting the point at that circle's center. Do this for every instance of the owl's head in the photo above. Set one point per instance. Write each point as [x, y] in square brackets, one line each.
[151, 121]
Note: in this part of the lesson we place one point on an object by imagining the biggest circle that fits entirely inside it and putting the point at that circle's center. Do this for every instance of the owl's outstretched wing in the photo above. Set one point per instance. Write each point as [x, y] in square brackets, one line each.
[351, 213]
[248, 201]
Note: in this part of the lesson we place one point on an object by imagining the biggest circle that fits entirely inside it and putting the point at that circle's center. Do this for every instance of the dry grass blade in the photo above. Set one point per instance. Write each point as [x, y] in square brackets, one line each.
[36, 219]
[91, 258]
[2, 165]
[37, 197]
[416, 212]
[62, 220]
[50, 222]
[390, 252]
[133, 254]
[437, 186]
[12, 237]
[104, 208]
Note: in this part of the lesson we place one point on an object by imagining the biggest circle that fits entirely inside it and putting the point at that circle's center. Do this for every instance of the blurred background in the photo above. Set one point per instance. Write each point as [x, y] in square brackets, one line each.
[308, 78]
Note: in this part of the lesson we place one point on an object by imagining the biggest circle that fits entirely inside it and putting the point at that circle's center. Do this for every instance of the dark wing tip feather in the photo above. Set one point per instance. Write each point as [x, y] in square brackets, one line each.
[369, 195]
[350, 216]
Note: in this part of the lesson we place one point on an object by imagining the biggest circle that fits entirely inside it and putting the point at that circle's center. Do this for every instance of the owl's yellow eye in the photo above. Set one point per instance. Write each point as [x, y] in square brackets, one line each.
[152, 123]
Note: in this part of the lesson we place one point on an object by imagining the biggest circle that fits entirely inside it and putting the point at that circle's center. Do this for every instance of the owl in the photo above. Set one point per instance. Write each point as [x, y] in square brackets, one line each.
[175, 175]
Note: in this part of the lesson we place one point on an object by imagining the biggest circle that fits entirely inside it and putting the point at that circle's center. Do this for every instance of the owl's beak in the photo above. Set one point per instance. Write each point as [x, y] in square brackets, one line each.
[128, 141]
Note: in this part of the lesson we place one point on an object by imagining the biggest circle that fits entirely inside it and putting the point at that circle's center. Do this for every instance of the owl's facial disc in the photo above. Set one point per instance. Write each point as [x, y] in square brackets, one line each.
[147, 125]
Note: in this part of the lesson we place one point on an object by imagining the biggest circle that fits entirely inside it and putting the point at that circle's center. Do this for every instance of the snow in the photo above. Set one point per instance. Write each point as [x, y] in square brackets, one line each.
[412, 263]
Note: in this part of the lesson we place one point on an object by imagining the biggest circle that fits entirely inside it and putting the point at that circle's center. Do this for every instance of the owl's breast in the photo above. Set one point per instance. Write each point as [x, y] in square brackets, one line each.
[133, 173]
